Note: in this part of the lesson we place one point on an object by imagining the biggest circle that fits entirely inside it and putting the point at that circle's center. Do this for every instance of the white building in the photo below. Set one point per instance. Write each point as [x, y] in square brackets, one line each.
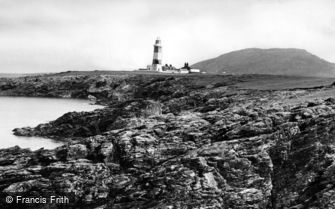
[193, 70]
[188, 69]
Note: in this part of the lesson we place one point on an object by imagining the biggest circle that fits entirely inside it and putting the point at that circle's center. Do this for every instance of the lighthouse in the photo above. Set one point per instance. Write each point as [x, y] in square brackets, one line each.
[157, 58]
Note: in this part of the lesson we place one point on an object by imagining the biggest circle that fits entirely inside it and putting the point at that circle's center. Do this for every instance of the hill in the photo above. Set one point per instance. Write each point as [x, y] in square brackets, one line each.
[16, 75]
[297, 62]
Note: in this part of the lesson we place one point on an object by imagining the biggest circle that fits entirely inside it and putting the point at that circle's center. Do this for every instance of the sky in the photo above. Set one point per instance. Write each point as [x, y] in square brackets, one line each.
[60, 35]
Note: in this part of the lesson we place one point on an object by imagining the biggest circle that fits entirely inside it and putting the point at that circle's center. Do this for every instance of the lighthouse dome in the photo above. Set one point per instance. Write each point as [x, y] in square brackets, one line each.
[158, 41]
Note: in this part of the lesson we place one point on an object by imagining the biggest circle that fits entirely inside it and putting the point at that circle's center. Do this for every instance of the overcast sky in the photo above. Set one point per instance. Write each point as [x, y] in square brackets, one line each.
[60, 35]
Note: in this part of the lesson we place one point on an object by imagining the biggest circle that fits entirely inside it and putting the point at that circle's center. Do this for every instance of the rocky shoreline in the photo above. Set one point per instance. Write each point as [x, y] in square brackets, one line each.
[176, 142]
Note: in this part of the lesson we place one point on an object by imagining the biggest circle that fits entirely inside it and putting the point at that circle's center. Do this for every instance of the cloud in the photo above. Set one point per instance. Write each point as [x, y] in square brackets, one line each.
[302, 24]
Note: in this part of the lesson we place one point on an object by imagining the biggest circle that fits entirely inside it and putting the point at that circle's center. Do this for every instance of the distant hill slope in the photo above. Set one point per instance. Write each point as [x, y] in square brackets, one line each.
[16, 75]
[269, 61]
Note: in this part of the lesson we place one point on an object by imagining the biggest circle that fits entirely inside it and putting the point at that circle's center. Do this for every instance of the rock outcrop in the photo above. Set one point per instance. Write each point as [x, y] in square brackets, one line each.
[177, 142]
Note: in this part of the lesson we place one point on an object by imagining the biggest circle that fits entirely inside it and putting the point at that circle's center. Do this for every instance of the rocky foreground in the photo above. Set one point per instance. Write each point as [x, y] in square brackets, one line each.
[176, 142]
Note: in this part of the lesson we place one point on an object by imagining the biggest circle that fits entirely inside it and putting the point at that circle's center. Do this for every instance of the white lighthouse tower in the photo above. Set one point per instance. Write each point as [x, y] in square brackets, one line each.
[157, 59]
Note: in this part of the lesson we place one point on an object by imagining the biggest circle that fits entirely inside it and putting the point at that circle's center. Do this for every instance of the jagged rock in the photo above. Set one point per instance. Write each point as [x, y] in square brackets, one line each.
[26, 186]
[177, 142]
[77, 151]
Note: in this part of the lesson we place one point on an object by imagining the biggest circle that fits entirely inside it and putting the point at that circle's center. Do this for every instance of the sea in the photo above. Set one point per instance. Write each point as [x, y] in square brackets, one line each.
[18, 112]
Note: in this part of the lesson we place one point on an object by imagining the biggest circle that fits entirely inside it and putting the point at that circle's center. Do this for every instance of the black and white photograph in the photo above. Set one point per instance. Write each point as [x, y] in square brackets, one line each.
[167, 104]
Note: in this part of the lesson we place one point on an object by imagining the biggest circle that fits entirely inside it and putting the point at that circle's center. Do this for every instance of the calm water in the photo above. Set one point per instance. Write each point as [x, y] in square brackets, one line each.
[16, 112]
